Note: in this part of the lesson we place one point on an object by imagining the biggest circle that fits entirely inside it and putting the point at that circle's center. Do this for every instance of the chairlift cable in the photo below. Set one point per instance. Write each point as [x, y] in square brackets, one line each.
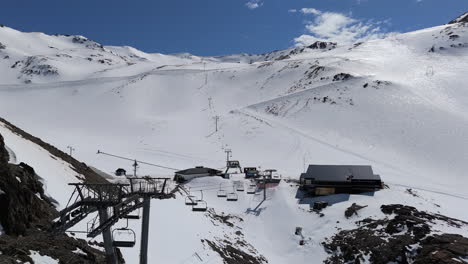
[209, 185]
[213, 188]
[142, 162]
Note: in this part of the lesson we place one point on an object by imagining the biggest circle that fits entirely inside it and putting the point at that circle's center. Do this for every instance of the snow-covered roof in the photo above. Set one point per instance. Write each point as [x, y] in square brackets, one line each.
[198, 170]
[339, 172]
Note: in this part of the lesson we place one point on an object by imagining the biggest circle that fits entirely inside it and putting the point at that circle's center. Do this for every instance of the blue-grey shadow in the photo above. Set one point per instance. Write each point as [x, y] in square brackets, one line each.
[257, 210]
[304, 197]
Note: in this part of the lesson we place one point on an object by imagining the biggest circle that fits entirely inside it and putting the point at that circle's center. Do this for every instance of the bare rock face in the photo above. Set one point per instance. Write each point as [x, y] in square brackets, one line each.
[235, 252]
[440, 249]
[87, 42]
[22, 200]
[461, 19]
[342, 77]
[35, 65]
[405, 236]
[322, 45]
[63, 248]
[26, 215]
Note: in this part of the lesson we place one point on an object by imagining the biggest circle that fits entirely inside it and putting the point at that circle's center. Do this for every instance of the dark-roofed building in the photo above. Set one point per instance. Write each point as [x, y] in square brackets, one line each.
[199, 171]
[120, 172]
[331, 179]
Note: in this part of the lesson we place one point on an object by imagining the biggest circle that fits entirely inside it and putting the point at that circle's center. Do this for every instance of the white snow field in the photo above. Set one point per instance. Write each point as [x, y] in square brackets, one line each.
[403, 109]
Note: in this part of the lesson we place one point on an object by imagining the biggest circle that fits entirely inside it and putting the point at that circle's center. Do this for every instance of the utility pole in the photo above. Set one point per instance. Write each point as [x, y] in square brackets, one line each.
[145, 230]
[228, 154]
[216, 118]
[135, 165]
[209, 102]
[71, 149]
[264, 187]
[206, 75]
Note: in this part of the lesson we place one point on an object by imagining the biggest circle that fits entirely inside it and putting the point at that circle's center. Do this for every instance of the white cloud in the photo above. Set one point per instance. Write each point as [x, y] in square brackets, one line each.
[253, 4]
[310, 11]
[337, 27]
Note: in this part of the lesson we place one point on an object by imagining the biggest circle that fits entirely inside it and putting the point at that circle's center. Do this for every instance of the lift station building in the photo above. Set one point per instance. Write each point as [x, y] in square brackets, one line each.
[331, 179]
[199, 171]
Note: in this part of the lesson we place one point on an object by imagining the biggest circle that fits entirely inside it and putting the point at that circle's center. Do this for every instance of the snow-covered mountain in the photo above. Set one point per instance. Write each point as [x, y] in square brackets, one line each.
[399, 104]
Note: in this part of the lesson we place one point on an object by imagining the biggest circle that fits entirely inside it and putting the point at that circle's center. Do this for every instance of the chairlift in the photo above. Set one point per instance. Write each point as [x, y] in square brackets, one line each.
[201, 205]
[134, 216]
[240, 187]
[190, 200]
[123, 237]
[232, 197]
[252, 189]
[221, 192]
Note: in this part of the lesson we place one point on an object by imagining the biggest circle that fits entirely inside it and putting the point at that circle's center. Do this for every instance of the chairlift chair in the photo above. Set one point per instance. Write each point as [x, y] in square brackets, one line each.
[240, 187]
[232, 197]
[134, 216]
[252, 189]
[221, 192]
[191, 200]
[123, 237]
[200, 206]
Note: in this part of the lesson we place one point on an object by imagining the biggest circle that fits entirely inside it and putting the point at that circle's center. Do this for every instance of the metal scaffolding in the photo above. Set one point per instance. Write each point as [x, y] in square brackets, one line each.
[113, 202]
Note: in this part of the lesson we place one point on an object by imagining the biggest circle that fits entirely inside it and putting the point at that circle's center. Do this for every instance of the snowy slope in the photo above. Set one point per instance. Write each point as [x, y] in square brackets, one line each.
[398, 104]
[54, 172]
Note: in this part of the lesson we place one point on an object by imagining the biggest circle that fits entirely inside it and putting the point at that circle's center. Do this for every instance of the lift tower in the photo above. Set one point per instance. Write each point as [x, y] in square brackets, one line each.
[113, 201]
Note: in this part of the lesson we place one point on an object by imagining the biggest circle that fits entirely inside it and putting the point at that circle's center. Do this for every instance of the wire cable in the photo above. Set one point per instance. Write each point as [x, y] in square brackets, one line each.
[139, 161]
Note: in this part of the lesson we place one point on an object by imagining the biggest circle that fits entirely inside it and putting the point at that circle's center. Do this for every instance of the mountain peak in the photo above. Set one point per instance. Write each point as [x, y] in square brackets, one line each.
[461, 19]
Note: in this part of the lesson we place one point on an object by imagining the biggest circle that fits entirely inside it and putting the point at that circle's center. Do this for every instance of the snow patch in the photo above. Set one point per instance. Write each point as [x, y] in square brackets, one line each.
[38, 258]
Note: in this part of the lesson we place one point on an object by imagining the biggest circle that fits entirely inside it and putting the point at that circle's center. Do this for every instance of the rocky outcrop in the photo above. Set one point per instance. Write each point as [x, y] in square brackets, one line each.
[63, 248]
[405, 236]
[87, 42]
[342, 77]
[445, 248]
[461, 19]
[22, 201]
[35, 65]
[322, 45]
[26, 215]
[235, 252]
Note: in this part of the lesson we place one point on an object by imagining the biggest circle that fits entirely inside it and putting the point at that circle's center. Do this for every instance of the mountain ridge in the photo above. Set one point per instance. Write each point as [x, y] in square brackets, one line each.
[398, 104]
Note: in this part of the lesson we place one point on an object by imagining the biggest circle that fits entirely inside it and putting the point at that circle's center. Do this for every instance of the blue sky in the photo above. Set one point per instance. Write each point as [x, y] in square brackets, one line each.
[216, 27]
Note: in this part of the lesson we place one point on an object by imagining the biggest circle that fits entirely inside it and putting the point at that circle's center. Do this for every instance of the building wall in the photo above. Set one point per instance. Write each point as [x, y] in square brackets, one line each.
[191, 176]
[324, 191]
